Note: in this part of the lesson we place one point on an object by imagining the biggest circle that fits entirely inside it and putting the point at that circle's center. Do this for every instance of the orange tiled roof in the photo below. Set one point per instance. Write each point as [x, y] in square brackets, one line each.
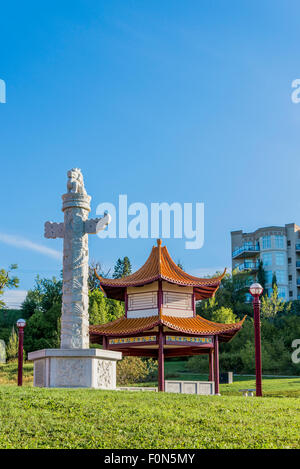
[160, 266]
[195, 326]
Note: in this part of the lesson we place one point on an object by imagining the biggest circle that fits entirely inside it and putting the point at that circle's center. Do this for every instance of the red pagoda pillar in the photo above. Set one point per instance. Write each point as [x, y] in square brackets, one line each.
[104, 343]
[161, 367]
[216, 364]
[211, 366]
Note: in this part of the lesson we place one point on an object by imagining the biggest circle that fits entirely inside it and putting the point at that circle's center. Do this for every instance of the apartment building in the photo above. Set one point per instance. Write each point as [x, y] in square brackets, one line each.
[278, 247]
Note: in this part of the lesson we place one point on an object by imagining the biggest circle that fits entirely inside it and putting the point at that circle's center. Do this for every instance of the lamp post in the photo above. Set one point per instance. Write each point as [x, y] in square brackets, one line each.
[21, 323]
[256, 290]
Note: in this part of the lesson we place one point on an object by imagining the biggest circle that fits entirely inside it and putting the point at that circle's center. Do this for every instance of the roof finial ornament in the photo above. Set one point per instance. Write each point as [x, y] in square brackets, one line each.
[158, 242]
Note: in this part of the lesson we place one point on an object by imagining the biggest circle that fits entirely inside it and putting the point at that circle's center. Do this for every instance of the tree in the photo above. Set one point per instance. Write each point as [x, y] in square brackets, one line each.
[43, 329]
[7, 281]
[274, 280]
[135, 369]
[115, 309]
[261, 275]
[231, 294]
[223, 315]
[12, 346]
[93, 281]
[271, 306]
[42, 308]
[122, 268]
[98, 308]
[45, 293]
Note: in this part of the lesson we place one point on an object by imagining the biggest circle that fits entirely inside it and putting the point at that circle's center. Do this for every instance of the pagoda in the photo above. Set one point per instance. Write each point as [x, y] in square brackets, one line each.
[160, 318]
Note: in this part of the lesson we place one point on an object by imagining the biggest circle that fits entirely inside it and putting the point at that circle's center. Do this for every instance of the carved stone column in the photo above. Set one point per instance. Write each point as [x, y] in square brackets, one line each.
[74, 364]
[75, 301]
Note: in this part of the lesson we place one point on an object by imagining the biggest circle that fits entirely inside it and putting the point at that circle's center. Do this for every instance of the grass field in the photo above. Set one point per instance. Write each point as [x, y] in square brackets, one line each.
[77, 418]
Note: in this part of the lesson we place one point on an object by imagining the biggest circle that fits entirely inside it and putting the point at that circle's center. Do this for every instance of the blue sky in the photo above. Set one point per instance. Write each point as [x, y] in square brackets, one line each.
[163, 101]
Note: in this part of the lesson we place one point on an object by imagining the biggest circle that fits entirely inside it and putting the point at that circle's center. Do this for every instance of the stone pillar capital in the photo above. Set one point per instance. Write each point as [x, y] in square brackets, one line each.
[76, 200]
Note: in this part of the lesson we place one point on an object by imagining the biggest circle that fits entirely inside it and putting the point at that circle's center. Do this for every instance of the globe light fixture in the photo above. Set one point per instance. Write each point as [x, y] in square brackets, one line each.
[21, 323]
[256, 289]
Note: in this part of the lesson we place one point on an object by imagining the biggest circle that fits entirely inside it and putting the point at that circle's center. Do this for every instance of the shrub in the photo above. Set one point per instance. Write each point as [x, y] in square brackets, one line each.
[134, 370]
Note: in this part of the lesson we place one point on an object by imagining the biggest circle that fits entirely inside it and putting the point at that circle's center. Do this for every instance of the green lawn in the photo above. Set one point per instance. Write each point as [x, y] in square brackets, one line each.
[77, 418]
[64, 418]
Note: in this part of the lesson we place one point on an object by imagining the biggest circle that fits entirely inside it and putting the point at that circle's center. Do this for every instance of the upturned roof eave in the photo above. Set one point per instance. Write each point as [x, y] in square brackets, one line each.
[226, 334]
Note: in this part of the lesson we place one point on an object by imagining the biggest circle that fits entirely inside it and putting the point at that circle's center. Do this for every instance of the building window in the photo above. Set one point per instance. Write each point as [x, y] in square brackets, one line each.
[290, 278]
[279, 256]
[267, 258]
[248, 298]
[279, 244]
[290, 293]
[281, 292]
[268, 276]
[266, 242]
[289, 242]
[289, 260]
[280, 276]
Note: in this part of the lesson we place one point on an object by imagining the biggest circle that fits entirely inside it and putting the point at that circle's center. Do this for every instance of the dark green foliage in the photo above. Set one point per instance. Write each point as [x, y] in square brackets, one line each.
[42, 329]
[274, 280]
[261, 275]
[280, 325]
[42, 309]
[122, 268]
[231, 294]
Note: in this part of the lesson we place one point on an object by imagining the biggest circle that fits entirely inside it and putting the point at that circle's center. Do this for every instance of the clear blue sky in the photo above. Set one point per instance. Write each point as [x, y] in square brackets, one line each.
[161, 100]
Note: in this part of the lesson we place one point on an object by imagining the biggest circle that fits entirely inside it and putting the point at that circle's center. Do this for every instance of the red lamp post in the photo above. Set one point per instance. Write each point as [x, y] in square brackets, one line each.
[256, 290]
[21, 323]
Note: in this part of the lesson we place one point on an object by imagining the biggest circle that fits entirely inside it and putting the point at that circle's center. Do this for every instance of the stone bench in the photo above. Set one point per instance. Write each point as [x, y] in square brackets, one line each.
[206, 388]
[247, 392]
[137, 388]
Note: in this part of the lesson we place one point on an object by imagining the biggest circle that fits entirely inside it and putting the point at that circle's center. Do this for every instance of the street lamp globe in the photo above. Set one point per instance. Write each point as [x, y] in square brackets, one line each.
[256, 289]
[21, 323]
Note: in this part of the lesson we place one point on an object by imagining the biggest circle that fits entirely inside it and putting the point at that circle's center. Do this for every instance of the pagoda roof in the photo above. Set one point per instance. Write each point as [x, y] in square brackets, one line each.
[195, 326]
[160, 266]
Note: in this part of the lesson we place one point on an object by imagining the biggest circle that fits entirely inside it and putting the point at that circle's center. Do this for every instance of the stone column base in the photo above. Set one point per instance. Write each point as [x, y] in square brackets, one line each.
[75, 368]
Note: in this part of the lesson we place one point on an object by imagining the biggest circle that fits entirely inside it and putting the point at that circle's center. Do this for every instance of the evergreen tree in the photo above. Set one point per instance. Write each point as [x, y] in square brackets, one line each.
[126, 266]
[261, 275]
[274, 280]
[122, 268]
[12, 346]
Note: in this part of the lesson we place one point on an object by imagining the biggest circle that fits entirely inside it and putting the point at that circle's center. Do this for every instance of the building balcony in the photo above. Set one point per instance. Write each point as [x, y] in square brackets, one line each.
[297, 247]
[246, 251]
[297, 264]
[298, 282]
[248, 265]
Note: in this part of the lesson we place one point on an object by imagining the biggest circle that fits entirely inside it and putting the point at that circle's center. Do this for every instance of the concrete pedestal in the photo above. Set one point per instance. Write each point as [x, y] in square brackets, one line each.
[75, 368]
